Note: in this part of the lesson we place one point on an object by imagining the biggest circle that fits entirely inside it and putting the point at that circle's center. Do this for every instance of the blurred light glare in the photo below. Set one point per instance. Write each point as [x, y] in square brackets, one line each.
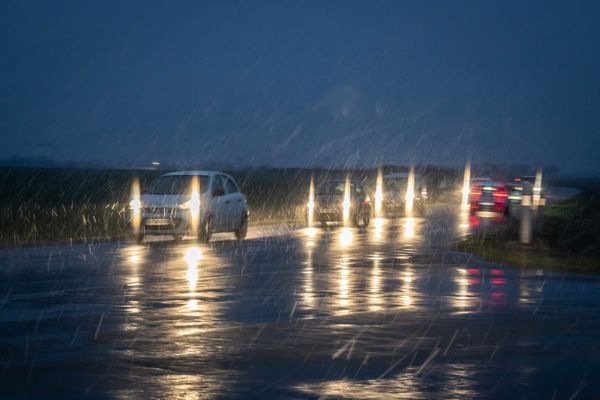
[193, 255]
[379, 193]
[310, 232]
[194, 205]
[346, 237]
[346, 202]
[409, 228]
[311, 202]
[537, 188]
[135, 205]
[410, 192]
[466, 185]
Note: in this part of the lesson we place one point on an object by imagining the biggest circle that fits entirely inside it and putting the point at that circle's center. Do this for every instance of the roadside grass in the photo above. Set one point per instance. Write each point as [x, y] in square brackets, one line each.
[52, 204]
[568, 239]
[537, 256]
[40, 205]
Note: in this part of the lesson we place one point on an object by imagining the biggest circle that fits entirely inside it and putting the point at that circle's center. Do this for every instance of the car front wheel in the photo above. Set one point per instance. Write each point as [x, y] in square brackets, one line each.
[242, 231]
[205, 231]
[138, 237]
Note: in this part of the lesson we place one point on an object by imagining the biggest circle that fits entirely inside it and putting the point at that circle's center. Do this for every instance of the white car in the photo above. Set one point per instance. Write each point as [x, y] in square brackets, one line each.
[192, 202]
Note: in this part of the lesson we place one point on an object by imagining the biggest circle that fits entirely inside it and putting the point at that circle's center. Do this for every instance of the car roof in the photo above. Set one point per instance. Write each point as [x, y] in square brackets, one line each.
[338, 180]
[194, 173]
[492, 183]
[480, 179]
[396, 175]
[327, 181]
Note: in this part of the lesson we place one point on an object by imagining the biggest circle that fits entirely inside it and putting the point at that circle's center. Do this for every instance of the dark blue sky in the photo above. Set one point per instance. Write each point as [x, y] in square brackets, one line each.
[298, 83]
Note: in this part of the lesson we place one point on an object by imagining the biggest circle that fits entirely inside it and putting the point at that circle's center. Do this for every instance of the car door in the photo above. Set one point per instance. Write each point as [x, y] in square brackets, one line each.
[235, 202]
[219, 204]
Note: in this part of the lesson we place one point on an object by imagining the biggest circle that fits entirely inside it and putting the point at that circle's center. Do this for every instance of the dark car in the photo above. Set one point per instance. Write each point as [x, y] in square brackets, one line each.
[330, 202]
[489, 196]
[395, 192]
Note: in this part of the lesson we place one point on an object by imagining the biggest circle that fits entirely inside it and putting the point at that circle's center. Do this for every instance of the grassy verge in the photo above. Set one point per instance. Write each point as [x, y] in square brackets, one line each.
[568, 239]
[537, 256]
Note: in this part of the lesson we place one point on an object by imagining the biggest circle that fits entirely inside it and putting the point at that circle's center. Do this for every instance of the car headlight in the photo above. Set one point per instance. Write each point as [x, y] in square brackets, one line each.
[135, 204]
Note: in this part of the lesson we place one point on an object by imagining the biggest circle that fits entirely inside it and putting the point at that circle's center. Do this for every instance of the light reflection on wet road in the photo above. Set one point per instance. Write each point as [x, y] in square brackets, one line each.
[385, 312]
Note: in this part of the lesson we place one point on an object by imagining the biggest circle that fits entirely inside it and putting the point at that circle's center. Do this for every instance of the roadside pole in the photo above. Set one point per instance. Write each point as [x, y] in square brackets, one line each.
[525, 231]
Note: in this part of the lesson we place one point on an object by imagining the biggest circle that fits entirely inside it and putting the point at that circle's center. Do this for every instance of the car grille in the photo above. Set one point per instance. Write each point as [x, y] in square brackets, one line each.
[165, 211]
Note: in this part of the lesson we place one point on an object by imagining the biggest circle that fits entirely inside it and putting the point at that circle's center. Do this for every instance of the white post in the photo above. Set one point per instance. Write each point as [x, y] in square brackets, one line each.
[525, 231]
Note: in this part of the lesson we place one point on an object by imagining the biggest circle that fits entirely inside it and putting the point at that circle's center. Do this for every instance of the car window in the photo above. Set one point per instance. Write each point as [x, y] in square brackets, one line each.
[176, 184]
[395, 184]
[218, 184]
[230, 185]
[337, 187]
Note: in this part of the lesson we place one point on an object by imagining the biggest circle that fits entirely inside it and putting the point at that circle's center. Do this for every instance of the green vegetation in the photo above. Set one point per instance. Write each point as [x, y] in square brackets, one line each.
[47, 204]
[569, 237]
[55, 204]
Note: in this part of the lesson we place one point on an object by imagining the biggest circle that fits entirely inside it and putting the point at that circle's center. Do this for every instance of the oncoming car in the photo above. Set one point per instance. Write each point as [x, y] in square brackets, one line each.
[193, 202]
[395, 194]
[335, 198]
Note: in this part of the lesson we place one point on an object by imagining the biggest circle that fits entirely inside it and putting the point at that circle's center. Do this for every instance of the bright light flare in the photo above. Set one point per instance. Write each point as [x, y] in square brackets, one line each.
[135, 205]
[537, 188]
[310, 233]
[379, 193]
[407, 297]
[409, 228]
[311, 202]
[410, 192]
[466, 185]
[194, 205]
[192, 257]
[346, 202]
[375, 296]
[346, 237]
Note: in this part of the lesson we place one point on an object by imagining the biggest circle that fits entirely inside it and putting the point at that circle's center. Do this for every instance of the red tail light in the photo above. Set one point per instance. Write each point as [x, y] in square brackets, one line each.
[500, 199]
[500, 194]
[475, 193]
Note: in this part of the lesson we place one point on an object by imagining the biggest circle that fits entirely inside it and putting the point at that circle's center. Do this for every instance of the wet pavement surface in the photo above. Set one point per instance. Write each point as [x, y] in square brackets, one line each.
[386, 312]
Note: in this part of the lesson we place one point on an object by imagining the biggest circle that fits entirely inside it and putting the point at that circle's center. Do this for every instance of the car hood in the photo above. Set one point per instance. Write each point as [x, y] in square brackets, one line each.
[164, 200]
[329, 199]
[394, 196]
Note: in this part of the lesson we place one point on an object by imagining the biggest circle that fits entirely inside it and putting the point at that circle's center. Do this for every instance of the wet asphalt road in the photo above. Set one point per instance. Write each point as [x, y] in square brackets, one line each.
[387, 312]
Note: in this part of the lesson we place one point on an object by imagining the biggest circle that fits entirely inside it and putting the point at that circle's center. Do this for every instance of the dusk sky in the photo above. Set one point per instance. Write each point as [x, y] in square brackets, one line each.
[302, 83]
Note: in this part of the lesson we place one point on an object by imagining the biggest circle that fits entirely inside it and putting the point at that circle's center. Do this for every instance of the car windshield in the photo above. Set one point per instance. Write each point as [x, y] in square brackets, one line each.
[395, 184]
[336, 187]
[176, 184]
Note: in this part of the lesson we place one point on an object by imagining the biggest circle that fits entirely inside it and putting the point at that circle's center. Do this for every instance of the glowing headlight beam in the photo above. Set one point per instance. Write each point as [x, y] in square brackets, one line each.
[410, 192]
[135, 205]
[346, 202]
[194, 205]
[311, 201]
[537, 188]
[466, 185]
[379, 193]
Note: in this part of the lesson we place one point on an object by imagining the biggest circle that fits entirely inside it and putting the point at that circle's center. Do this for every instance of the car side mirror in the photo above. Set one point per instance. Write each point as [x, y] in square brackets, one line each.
[218, 193]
